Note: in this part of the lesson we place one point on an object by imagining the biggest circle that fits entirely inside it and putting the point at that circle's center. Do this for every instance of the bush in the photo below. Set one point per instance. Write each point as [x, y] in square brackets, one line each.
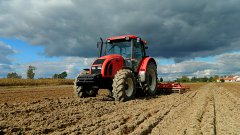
[13, 75]
[63, 75]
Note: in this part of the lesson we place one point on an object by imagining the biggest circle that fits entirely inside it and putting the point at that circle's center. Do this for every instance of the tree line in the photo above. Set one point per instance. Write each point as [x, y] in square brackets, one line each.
[31, 74]
[198, 79]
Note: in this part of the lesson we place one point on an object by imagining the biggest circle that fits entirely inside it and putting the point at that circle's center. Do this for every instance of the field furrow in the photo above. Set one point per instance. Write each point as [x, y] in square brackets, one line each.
[207, 109]
[227, 113]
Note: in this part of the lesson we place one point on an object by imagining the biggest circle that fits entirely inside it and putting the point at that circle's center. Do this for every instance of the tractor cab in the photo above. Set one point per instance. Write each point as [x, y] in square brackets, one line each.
[130, 47]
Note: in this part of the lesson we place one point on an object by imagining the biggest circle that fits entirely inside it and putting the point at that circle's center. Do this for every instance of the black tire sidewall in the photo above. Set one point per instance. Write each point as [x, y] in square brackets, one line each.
[119, 88]
[151, 66]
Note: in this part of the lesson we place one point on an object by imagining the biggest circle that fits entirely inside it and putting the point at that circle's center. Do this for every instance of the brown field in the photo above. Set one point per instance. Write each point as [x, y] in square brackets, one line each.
[208, 108]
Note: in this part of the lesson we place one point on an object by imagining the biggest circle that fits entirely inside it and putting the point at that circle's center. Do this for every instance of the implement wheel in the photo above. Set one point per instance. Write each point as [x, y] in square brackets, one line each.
[124, 85]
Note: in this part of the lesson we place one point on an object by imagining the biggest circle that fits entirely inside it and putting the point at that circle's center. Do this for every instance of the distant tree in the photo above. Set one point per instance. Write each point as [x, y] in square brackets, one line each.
[184, 79]
[204, 79]
[30, 72]
[55, 76]
[63, 75]
[222, 80]
[211, 79]
[161, 79]
[13, 75]
[177, 80]
[194, 79]
[215, 78]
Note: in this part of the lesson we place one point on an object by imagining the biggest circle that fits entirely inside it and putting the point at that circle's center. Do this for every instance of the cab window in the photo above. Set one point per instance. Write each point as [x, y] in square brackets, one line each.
[138, 54]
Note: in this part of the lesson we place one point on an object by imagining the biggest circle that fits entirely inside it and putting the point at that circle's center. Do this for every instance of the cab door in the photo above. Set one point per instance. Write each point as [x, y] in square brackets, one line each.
[138, 54]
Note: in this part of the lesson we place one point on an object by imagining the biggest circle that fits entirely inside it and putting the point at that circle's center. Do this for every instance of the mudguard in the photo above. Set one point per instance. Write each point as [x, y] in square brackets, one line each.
[142, 68]
[109, 66]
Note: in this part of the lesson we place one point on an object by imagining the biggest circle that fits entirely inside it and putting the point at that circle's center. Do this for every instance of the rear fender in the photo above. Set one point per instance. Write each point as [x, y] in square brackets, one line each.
[142, 68]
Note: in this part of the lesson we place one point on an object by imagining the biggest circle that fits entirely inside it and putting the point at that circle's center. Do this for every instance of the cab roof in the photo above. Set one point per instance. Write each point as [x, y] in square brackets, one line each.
[124, 37]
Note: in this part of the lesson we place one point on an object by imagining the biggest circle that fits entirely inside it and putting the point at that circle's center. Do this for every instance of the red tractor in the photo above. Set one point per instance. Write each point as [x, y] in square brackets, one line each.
[122, 67]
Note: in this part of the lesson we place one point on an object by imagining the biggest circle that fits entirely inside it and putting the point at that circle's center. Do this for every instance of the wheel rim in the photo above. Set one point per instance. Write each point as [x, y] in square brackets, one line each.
[152, 80]
[129, 87]
[78, 88]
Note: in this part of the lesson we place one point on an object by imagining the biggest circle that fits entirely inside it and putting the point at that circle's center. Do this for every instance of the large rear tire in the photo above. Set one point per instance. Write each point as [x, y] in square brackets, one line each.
[151, 79]
[124, 85]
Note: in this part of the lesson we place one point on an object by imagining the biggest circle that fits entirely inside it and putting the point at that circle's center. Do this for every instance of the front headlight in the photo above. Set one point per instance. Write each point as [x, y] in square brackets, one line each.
[97, 67]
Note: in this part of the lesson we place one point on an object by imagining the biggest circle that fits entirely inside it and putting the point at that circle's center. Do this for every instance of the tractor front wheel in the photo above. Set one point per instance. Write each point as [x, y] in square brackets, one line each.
[82, 92]
[124, 85]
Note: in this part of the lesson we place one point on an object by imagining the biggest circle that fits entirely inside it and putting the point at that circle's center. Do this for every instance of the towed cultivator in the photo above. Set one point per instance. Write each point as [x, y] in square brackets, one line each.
[172, 87]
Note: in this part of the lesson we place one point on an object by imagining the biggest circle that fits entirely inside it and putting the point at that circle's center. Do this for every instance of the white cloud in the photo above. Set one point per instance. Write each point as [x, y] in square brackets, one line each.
[5, 51]
[5, 61]
[225, 64]
[5, 69]
[72, 65]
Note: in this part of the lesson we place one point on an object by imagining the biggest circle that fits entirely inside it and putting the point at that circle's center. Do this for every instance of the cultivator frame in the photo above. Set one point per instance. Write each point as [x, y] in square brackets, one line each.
[174, 87]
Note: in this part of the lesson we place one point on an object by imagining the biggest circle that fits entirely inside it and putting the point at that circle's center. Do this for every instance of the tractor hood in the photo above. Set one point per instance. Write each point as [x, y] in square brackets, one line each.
[112, 56]
[107, 65]
[107, 58]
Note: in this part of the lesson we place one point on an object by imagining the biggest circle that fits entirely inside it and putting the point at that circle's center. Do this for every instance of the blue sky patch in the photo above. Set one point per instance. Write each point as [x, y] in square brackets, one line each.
[26, 53]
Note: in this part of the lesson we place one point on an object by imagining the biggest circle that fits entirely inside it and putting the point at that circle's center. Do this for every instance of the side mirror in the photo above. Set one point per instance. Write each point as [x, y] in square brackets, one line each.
[138, 40]
[98, 43]
[101, 46]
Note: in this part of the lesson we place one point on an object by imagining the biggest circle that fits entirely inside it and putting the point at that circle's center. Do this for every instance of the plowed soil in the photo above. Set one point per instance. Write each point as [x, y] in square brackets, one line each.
[210, 108]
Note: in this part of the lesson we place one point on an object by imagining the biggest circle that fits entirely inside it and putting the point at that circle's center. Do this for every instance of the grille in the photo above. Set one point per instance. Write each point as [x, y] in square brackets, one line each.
[98, 61]
[96, 71]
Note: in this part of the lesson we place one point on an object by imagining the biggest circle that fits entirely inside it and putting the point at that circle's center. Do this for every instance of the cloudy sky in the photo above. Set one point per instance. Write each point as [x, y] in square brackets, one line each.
[187, 37]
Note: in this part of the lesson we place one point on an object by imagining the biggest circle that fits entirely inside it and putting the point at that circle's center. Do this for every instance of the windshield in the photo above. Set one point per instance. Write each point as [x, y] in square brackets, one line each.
[122, 48]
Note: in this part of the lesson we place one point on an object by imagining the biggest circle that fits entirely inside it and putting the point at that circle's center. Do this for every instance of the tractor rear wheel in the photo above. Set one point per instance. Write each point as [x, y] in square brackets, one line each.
[124, 85]
[151, 79]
